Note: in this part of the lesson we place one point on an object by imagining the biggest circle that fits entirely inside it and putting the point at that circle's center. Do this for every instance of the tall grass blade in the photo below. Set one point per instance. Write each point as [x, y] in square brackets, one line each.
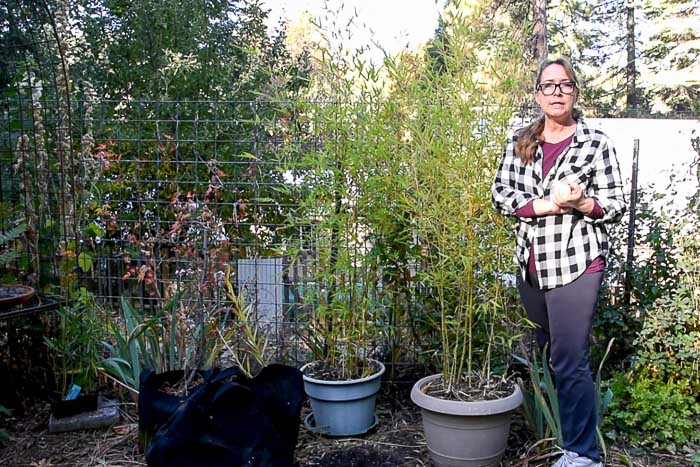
[551, 390]
[602, 401]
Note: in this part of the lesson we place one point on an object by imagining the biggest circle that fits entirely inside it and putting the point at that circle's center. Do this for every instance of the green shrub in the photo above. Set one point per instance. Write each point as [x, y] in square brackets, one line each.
[654, 413]
[668, 343]
[651, 276]
[657, 402]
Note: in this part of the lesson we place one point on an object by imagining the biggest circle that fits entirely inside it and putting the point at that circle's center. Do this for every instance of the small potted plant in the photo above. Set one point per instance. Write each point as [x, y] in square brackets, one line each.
[341, 381]
[75, 350]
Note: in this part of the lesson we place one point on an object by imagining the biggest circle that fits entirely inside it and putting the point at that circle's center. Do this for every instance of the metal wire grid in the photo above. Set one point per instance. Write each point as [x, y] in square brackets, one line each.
[36, 155]
[214, 170]
[145, 167]
[199, 166]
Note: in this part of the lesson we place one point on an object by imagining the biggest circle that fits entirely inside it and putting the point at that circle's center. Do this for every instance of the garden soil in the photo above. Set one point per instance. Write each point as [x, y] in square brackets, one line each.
[396, 441]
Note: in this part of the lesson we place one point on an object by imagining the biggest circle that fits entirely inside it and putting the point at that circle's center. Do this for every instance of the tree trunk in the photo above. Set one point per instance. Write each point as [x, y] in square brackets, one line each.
[539, 41]
[631, 68]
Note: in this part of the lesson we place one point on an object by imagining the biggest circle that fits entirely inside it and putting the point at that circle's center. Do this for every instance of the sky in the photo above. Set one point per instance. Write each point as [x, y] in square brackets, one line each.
[395, 24]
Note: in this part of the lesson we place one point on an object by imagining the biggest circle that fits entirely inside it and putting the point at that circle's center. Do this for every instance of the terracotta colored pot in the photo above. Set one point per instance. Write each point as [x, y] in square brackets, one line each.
[12, 295]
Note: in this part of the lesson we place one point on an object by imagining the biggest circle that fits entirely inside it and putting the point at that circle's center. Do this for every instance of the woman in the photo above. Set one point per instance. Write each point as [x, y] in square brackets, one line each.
[560, 179]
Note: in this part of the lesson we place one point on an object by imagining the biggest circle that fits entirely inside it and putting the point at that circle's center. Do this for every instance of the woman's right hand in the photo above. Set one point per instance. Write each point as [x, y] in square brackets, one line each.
[546, 206]
[557, 209]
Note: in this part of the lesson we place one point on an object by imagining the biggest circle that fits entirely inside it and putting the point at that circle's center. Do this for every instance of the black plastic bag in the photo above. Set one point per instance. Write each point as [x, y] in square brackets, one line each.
[228, 420]
[155, 406]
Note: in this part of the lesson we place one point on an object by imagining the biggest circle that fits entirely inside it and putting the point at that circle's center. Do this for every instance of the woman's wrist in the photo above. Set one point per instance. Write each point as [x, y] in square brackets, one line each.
[585, 205]
[542, 206]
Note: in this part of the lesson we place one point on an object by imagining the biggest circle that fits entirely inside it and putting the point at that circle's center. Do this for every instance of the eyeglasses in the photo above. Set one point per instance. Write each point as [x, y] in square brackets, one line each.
[567, 87]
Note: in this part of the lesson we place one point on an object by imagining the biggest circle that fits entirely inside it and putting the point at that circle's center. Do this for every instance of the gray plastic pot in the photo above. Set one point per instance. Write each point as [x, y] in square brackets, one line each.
[342, 408]
[465, 433]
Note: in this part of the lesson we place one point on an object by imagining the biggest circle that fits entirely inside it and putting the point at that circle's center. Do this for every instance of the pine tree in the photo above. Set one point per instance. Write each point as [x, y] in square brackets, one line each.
[602, 40]
[539, 36]
[633, 55]
[672, 56]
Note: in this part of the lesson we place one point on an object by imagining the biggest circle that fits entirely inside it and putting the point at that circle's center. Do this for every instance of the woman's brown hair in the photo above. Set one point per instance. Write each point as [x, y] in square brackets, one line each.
[530, 137]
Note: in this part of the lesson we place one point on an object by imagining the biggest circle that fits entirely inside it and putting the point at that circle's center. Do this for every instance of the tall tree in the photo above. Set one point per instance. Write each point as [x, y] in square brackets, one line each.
[539, 32]
[672, 55]
[601, 39]
[178, 49]
[633, 54]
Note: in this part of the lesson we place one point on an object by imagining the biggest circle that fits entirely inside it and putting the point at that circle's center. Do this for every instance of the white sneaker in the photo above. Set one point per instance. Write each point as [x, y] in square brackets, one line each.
[572, 459]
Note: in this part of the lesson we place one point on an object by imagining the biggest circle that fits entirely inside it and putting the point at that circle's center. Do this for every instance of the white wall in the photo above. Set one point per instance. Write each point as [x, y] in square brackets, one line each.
[664, 148]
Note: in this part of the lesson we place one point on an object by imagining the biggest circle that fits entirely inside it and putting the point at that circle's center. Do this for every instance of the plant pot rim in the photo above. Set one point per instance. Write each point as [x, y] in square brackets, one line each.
[344, 381]
[16, 299]
[451, 407]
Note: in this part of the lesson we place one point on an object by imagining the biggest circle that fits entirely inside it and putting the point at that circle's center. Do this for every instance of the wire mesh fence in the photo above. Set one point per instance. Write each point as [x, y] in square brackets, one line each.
[156, 200]
[169, 201]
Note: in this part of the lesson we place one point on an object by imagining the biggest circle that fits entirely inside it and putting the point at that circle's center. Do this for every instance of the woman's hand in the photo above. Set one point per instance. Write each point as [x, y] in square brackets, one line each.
[568, 196]
[572, 196]
[546, 206]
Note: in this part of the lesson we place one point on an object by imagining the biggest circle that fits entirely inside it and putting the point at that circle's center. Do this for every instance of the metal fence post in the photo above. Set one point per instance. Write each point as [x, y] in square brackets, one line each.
[631, 227]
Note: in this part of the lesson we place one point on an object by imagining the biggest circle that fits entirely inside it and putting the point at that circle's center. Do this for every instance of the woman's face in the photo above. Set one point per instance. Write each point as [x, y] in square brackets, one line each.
[558, 106]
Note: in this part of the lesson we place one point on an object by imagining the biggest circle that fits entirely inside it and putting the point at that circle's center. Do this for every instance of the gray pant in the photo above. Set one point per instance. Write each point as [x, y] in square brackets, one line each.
[564, 316]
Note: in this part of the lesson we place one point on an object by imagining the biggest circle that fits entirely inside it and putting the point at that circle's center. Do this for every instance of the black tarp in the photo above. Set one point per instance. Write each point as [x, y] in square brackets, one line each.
[228, 420]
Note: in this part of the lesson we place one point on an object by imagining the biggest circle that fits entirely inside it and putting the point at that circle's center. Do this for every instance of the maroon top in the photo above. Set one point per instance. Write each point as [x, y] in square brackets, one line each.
[551, 152]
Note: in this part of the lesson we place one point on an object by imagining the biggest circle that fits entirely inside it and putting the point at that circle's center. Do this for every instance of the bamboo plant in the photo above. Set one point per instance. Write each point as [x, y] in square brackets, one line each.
[452, 109]
[335, 187]
[410, 147]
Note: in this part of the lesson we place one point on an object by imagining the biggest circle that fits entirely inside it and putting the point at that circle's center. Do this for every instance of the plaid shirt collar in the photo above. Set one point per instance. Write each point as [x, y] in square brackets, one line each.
[582, 134]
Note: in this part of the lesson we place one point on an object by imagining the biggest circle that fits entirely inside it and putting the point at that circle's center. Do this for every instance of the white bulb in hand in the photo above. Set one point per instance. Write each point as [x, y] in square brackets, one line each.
[561, 191]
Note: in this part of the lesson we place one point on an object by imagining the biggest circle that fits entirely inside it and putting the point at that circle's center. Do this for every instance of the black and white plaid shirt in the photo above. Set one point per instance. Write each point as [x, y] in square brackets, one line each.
[565, 244]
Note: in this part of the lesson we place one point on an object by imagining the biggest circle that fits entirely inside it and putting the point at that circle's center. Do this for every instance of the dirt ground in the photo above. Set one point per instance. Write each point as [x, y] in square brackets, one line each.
[396, 441]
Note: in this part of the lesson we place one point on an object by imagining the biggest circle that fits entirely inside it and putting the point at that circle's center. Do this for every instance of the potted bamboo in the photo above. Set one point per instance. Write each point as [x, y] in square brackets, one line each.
[341, 380]
[457, 103]
[334, 191]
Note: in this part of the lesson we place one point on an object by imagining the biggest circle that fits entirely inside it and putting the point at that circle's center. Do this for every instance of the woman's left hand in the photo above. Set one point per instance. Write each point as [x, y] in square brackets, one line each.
[569, 196]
